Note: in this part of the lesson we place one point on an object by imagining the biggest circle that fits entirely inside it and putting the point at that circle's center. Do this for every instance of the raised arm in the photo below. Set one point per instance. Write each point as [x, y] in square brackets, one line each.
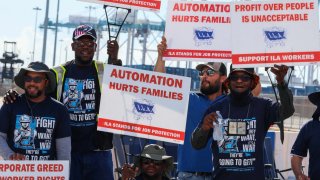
[112, 50]
[160, 64]
[286, 98]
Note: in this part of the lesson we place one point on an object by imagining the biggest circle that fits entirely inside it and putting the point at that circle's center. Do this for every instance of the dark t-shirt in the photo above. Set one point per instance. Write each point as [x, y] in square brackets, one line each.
[32, 130]
[309, 139]
[240, 154]
[81, 95]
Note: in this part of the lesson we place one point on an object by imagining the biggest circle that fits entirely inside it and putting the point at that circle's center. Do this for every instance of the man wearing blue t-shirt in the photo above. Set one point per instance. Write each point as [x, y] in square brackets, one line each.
[79, 84]
[196, 164]
[244, 121]
[308, 139]
[35, 126]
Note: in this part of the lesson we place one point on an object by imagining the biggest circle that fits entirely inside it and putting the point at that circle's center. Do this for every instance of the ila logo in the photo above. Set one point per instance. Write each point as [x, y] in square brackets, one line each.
[143, 109]
[203, 36]
[274, 36]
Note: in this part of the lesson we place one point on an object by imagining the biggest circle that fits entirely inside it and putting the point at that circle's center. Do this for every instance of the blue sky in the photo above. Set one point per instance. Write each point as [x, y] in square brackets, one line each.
[18, 22]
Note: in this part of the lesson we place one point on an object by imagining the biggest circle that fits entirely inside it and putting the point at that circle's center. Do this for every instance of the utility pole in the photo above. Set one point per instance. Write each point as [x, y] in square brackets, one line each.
[35, 33]
[90, 7]
[61, 43]
[132, 38]
[56, 35]
[45, 33]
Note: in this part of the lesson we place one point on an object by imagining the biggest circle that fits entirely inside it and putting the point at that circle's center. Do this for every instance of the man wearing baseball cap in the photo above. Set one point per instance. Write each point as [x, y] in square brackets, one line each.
[245, 120]
[192, 163]
[35, 126]
[91, 149]
[308, 139]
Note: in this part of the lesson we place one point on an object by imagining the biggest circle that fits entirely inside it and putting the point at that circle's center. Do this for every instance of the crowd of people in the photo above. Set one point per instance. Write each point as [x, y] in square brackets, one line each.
[51, 119]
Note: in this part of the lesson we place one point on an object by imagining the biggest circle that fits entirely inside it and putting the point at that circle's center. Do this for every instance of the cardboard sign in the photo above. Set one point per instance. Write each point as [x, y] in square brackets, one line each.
[34, 170]
[265, 33]
[198, 31]
[153, 5]
[144, 104]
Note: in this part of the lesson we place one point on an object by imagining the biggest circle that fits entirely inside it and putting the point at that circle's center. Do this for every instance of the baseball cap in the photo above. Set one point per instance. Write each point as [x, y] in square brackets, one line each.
[84, 30]
[314, 98]
[216, 66]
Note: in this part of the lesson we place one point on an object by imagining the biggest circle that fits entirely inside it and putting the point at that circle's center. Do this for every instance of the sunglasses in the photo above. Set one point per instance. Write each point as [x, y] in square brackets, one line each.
[209, 72]
[36, 79]
[147, 161]
[242, 78]
[85, 43]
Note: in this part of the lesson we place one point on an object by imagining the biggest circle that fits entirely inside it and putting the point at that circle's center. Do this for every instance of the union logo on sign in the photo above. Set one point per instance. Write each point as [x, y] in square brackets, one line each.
[275, 36]
[143, 108]
[203, 36]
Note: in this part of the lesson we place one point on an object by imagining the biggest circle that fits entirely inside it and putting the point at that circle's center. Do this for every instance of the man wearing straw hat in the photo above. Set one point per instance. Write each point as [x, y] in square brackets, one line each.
[35, 126]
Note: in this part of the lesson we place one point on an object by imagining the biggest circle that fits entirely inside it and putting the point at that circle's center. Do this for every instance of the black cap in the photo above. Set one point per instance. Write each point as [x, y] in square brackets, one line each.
[216, 66]
[314, 98]
[84, 30]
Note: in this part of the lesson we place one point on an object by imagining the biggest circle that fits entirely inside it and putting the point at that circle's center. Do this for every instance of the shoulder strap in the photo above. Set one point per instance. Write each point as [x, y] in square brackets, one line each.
[99, 66]
[60, 71]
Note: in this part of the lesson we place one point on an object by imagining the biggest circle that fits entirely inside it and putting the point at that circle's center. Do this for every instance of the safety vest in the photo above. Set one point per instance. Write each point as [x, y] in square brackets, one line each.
[60, 72]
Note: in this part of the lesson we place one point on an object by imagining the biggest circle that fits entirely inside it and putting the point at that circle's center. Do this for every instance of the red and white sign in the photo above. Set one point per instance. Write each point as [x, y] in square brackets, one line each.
[144, 104]
[265, 33]
[198, 31]
[153, 5]
[34, 170]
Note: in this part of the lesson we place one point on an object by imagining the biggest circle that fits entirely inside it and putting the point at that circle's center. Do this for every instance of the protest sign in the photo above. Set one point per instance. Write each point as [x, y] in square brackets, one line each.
[198, 31]
[34, 170]
[265, 33]
[144, 104]
[153, 5]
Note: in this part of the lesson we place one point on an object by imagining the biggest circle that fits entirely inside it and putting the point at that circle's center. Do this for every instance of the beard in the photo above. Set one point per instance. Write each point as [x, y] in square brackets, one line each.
[33, 96]
[211, 89]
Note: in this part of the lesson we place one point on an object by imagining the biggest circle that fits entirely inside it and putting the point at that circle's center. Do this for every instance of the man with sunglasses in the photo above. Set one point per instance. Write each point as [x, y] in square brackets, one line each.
[245, 120]
[196, 164]
[79, 84]
[152, 164]
[35, 126]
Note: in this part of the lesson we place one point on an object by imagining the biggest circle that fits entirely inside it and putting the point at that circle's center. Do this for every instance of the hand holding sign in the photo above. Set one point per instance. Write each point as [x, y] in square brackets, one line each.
[162, 47]
[280, 71]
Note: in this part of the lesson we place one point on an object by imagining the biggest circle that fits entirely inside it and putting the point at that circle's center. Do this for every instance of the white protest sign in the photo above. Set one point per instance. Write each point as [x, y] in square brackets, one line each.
[144, 104]
[265, 33]
[153, 5]
[198, 31]
[34, 170]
